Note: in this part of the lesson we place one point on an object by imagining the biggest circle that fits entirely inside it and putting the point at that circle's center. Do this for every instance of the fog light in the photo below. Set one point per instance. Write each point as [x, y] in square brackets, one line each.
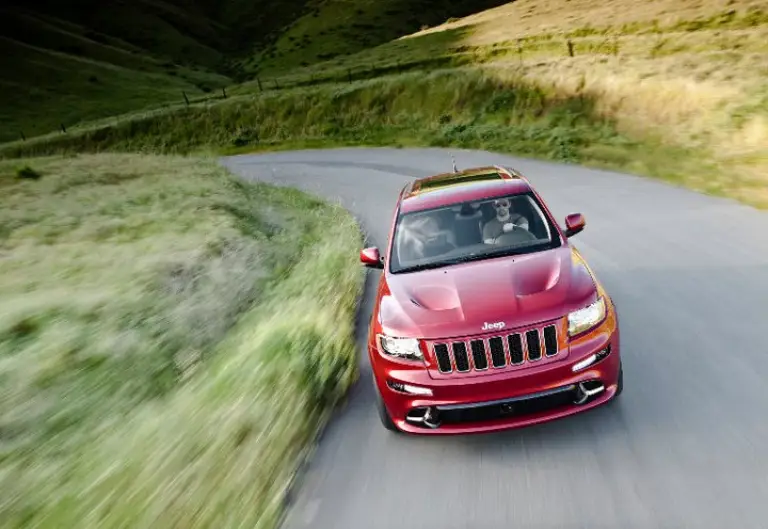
[407, 388]
[591, 359]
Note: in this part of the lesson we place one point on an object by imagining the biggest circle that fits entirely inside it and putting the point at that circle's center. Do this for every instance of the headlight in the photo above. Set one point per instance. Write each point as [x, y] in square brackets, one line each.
[584, 319]
[401, 347]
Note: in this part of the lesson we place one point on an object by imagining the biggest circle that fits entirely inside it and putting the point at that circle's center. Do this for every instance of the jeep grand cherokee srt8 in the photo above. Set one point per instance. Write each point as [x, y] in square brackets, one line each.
[485, 316]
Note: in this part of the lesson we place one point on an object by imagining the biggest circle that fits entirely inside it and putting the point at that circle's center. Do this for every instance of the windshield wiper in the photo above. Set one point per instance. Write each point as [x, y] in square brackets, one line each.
[502, 252]
[448, 262]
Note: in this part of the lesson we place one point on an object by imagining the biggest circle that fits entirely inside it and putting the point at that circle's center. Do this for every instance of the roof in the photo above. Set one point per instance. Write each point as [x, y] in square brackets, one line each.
[470, 184]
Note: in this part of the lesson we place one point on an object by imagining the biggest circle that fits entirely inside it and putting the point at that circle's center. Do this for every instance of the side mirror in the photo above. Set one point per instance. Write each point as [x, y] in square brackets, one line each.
[574, 223]
[371, 258]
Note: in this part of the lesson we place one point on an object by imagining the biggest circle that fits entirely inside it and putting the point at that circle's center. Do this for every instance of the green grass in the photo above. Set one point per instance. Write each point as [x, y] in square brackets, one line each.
[170, 340]
[337, 28]
[464, 107]
[78, 90]
[467, 107]
[76, 63]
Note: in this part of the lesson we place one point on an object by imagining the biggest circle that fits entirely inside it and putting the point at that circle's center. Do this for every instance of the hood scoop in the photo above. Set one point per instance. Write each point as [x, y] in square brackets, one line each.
[532, 276]
[436, 297]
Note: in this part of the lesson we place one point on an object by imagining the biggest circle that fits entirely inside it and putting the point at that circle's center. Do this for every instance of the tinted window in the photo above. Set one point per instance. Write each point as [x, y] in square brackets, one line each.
[468, 231]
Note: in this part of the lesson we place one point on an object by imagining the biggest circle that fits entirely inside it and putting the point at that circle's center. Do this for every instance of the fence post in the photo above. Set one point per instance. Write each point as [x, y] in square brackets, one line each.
[258, 81]
[63, 128]
[186, 99]
[224, 91]
[570, 48]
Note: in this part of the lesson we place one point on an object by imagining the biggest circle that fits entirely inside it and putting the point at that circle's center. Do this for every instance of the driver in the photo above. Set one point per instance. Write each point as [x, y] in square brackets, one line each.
[504, 221]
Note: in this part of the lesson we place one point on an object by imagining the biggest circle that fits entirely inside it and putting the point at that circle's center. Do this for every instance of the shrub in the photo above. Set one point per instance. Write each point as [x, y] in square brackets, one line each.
[28, 173]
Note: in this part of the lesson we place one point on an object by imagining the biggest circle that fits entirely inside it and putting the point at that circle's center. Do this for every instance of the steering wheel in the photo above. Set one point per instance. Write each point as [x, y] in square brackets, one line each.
[514, 237]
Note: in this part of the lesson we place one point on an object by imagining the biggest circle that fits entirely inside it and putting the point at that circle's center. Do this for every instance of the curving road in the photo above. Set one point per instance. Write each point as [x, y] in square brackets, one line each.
[687, 444]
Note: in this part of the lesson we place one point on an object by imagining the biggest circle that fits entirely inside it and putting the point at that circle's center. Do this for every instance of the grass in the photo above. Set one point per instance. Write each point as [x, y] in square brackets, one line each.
[77, 90]
[336, 28]
[688, 75]
[675, 90]
[466, 107]
[70, 64]
[170, 340]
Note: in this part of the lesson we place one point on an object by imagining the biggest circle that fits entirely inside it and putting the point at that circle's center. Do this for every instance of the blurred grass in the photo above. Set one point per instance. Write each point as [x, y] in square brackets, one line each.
[170, 339]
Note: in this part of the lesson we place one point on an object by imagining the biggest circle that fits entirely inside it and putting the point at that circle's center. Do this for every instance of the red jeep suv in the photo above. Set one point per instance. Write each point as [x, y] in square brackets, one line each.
[486, 318]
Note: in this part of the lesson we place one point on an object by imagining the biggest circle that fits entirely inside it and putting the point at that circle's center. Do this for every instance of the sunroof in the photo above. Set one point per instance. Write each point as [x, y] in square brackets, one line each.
[451, 180]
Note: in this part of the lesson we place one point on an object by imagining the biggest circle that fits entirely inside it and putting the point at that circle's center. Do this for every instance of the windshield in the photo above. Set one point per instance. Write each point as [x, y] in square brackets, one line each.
[468, 231]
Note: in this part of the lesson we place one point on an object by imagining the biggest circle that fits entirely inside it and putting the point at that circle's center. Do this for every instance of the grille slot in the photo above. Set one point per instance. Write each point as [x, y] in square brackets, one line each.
[515, 349]
[498, 358]
[478, 354]
[460, 357]
[454, 356]
[443, 359]
[533, 344]
[550, 340]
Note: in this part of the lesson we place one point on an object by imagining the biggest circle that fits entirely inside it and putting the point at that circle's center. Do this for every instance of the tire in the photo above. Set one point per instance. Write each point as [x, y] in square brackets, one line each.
[386, 420]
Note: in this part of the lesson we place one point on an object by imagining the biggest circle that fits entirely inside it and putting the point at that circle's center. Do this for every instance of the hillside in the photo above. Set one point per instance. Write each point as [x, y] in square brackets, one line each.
[685, 75]
[674, 90]
[66, 63]
[331, 28]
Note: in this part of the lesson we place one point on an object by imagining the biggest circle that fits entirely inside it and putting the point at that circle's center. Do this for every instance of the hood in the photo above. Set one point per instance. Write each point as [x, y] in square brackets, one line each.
[462, 300]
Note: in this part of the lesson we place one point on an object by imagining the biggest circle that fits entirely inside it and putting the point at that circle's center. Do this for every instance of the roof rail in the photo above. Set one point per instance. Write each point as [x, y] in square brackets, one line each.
[407, 188]
[511, 172]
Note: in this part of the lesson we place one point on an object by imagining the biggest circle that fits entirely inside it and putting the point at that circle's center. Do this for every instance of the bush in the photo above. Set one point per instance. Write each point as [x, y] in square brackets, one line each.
[28, 173]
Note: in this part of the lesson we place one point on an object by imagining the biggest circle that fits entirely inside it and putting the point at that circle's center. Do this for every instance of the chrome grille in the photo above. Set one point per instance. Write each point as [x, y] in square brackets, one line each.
[498, 358]
[498, 351]
[460, 357]
[478, 354]
[534, 344]
[550, 340]
[443, 358]
[515, 348]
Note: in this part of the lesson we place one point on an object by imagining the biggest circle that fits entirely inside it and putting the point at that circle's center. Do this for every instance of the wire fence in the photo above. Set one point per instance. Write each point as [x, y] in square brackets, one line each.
[313, 76]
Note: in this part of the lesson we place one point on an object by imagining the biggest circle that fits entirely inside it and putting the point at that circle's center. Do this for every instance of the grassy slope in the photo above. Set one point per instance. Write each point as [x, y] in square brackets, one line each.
[56, 71]
[690, 75]
[75, 62]
[675, 91]
[144, 350]
[329, 28]
[89, 60]
[51, 88]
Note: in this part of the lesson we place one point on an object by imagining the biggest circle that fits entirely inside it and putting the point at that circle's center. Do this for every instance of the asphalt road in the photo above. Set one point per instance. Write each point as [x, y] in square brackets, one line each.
[686, 445]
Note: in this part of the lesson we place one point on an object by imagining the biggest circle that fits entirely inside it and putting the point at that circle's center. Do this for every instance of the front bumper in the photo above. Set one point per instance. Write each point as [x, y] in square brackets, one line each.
[504, 400]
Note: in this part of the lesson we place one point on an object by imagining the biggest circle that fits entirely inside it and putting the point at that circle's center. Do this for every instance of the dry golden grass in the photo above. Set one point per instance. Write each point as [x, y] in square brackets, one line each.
[690, 74]
[523, 18]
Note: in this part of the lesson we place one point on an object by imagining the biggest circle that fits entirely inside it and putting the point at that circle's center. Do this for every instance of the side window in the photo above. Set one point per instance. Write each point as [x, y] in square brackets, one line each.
[538, 225]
